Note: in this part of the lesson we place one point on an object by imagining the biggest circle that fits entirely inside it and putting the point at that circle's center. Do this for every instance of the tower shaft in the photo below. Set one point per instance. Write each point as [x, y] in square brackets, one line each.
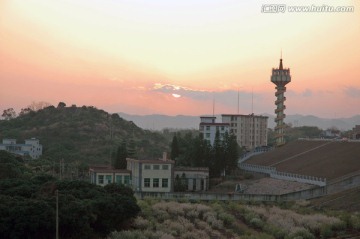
[280, 77]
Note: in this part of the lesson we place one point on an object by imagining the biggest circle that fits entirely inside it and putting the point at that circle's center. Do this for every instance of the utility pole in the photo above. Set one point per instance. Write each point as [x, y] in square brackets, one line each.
[57, 213]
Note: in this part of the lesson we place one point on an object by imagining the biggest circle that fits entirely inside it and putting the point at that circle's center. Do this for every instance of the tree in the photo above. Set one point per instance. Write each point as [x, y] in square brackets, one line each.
[217, 165]
[131, 150]
[61, 105]
[9, 114]
[180, 183]
[174, 148]
[35, 106]
[201, 152]
[121, 155]
[25, 111]
[231, 152]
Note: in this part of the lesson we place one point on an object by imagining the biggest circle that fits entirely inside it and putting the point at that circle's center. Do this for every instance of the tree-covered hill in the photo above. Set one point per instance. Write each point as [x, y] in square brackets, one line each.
[83, 134]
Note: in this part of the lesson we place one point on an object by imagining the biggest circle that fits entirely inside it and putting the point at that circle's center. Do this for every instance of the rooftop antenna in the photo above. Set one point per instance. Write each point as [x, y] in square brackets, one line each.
[252, 100]
[238, 101]
[213, 105]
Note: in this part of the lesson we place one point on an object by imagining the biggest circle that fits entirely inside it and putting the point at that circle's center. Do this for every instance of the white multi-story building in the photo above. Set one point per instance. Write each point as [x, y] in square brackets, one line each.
[32, 147]
[208, 128]
[250, 130]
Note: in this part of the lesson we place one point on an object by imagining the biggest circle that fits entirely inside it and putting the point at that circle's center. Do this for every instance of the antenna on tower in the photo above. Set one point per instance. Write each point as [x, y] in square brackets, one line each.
[281, 54]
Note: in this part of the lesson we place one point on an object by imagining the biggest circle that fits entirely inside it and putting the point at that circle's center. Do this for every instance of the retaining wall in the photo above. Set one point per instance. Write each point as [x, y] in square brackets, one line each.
[300, 195]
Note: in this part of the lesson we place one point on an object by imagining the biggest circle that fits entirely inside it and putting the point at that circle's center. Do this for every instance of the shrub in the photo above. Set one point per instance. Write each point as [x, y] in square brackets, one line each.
[227, 219]
[301, 234]
[257, 223]
[354, 222]
[277, 232]
[325, 231]
[127, 235]
[141, 223]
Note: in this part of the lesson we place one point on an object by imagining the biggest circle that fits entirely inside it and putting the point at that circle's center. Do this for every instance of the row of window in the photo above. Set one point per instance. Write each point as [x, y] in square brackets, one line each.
[156, 166]
[207, 135]
[156, 182]
[222, 128]
[120, 179]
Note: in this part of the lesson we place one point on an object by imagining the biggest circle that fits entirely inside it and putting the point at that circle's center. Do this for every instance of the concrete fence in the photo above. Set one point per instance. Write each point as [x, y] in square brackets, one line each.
[248, 155]
[271, 171]
[299, 178]
[257, 168]
[330, 140]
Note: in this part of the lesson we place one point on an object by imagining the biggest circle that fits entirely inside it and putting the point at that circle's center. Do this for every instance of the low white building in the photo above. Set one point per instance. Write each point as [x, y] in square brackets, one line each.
[196, 179]
[151, 176]
[103, 175]
[31, 147]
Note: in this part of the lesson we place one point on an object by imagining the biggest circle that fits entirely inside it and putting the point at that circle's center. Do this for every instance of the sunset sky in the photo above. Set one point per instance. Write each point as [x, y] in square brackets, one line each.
[175, 57]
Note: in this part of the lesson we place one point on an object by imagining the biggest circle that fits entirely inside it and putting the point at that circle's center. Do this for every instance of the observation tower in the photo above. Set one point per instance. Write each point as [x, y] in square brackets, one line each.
[280, 77]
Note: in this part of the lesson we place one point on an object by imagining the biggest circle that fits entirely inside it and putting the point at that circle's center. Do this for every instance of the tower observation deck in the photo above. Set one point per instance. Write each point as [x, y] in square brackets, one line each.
[280, 77]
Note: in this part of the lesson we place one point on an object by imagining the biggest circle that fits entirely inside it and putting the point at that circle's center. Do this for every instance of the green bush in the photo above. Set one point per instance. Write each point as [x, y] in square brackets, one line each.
[355, 222]
[278, 233]
[325, 231]
[300, 234]
[257, 223]
[227, 219]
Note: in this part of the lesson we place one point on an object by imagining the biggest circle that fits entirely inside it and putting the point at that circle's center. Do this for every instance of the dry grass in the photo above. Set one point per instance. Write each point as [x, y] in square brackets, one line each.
[179, 220]
[175, 220]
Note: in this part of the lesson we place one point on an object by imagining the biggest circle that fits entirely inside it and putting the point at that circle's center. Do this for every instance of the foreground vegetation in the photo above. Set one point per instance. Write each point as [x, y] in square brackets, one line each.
[28, 204]
[170, 219]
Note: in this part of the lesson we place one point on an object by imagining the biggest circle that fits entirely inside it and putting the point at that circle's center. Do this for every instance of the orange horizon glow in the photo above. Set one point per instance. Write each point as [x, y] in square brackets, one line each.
[174, 58]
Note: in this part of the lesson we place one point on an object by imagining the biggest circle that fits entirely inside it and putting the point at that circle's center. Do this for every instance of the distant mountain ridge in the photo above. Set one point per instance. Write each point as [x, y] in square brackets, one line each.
[159, 122]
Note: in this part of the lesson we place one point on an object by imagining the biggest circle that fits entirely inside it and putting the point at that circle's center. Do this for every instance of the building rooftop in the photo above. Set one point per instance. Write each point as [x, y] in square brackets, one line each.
[107, 169]
[250, 115]
[156, 161]
[203, 169]
[223, 124]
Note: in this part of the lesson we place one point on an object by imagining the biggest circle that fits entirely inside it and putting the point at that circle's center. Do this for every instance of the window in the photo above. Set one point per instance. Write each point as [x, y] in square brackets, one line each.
[146, 182]
[222, 128]
[155, 183]
[165, 183]
[156, 167]
[147, 166]
[127, 180]
[101, 179]
[208, 128]
[165, 167]
[108, 178]
[118, 179]
[207, 135]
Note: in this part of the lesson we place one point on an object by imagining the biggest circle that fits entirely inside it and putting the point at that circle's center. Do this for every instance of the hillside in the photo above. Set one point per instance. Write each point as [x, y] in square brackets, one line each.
[83, 134]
